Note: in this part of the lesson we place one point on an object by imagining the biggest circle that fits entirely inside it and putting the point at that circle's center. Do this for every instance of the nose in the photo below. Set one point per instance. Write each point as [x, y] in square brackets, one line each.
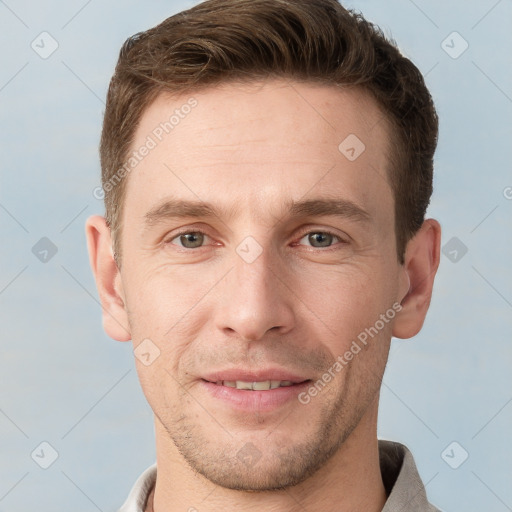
[255, 299]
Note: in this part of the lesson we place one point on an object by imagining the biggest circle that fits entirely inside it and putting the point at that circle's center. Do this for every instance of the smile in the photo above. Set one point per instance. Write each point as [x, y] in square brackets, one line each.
[251, 396]
[263, 385]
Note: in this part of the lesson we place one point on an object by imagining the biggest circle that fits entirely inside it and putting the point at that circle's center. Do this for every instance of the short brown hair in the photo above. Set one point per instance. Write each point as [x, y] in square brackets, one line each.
[308, 40]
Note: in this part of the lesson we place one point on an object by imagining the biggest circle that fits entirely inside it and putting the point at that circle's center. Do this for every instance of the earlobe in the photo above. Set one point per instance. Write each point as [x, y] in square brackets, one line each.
[419, 270]
[108, 278]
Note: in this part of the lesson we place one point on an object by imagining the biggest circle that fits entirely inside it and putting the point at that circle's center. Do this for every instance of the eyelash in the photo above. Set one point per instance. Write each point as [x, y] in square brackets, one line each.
[301, 236]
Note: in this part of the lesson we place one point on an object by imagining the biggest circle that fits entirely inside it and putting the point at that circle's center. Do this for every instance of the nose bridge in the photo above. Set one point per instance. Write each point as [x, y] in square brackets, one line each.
[253, 299]
[253, 271]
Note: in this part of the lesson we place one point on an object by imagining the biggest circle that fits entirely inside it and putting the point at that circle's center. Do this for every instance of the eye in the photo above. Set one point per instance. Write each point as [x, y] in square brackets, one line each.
[320, 239]
[189, 240]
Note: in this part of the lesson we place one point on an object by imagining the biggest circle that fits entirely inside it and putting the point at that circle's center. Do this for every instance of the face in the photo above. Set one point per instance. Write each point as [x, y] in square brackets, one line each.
[255, 248]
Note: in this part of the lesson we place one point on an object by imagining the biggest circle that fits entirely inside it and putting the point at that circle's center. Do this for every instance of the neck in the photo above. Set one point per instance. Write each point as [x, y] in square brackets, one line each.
[351, 480]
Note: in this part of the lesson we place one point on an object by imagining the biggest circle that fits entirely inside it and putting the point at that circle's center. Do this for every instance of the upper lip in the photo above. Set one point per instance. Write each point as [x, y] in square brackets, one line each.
[235, 374]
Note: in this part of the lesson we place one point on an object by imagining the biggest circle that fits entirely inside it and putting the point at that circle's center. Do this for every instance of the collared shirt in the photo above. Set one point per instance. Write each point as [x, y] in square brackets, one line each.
[404, 488]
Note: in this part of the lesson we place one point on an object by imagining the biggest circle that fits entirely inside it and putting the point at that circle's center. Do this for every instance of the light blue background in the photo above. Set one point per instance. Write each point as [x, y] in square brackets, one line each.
[65, 382]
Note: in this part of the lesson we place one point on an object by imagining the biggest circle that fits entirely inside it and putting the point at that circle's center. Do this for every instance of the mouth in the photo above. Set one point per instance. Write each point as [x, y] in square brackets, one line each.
[249, 392]
[262, 385]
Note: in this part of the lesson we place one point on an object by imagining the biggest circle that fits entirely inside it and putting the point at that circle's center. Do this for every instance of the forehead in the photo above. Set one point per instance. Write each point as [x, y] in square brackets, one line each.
[314, 111]
[253, 144]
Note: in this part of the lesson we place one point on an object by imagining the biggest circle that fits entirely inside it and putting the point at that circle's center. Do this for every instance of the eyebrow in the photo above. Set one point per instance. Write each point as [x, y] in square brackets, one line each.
[178, 208]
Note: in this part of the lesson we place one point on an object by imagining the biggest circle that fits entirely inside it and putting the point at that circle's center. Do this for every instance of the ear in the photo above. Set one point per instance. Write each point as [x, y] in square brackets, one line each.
[108, 278]
[419, 269]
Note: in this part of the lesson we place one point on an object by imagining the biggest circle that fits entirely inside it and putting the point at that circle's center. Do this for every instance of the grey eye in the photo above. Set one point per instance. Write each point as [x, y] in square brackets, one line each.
[320, 239]
[190, 240]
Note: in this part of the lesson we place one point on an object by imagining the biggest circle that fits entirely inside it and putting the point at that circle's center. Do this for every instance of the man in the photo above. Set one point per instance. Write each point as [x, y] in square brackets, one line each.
[267, 165]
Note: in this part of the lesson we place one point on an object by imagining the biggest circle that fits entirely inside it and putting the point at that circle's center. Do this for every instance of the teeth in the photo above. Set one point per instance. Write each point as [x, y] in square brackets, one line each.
[261, 386]
[264, 385]
[240, 384]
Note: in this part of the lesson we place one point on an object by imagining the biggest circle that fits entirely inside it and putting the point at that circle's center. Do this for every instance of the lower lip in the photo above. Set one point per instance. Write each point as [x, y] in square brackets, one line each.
[261, 401]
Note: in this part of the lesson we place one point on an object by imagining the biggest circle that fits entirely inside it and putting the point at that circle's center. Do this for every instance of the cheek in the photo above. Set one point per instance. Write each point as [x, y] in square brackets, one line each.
[346, 298]
[167, 305]
[163, 300]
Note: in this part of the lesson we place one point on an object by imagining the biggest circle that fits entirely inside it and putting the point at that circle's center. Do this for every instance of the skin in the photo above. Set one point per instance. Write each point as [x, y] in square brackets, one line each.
[298, 305]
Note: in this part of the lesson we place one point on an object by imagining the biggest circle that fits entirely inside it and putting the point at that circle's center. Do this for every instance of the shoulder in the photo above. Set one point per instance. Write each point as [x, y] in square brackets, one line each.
[136, 501]
[401, 479]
